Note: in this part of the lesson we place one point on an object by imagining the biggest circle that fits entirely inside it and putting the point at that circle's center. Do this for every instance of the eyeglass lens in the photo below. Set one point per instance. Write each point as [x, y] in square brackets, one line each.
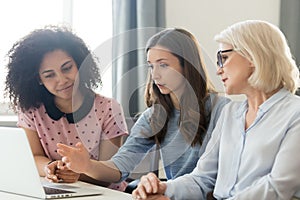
[220, 60]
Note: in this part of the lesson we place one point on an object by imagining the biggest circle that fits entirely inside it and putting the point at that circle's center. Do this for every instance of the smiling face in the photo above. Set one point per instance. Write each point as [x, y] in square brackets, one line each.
[166, 71]
[235, 71]
[58, 72]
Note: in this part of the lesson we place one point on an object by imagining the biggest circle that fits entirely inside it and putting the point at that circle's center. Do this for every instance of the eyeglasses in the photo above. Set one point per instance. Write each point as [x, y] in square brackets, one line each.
[221, 60]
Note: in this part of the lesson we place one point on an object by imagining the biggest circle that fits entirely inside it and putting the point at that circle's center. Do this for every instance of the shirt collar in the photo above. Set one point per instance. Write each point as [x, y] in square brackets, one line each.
[265, 106]
[55, 114]
[278, 96]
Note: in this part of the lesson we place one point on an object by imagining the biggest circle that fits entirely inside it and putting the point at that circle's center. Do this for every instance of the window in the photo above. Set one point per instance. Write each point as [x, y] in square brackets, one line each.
[91, 20]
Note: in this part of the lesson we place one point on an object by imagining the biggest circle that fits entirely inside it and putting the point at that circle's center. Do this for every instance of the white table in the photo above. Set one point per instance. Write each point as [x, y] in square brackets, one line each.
[108, 194]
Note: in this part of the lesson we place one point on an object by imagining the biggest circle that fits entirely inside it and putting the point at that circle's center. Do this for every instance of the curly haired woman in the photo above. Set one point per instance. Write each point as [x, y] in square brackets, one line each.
[51, 77]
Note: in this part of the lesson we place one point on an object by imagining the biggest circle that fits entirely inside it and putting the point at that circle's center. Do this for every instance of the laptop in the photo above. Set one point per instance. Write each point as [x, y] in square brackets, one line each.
[19, 174]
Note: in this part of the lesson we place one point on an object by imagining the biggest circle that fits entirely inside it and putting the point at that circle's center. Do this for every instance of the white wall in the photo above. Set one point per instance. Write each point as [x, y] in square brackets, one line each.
[206, 18]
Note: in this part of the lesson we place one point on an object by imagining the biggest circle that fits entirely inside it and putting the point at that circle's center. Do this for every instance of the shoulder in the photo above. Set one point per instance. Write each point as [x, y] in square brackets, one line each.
[295, 99]
[290, 104]
[215, 106]
[216, 102]
[146, 114]
[143, 119]
[40, 111]
[34, 115]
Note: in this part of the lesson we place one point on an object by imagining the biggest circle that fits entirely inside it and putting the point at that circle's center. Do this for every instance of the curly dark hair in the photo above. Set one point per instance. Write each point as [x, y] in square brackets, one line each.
[193, 116]
[25, 57]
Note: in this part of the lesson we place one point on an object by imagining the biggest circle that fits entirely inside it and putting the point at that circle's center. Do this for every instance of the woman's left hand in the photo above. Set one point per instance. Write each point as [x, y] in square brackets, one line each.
[150, 187]
[56, 171]
[154, 197]
[67, 176]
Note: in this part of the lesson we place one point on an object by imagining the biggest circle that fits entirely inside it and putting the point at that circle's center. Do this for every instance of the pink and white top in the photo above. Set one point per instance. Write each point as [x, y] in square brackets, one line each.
[99, 118]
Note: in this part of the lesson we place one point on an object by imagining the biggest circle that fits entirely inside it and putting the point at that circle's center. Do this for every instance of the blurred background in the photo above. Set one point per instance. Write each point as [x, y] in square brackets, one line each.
[118, 29]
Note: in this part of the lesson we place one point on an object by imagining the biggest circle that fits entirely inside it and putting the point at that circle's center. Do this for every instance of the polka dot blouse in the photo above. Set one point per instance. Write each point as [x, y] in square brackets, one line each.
[103, 120]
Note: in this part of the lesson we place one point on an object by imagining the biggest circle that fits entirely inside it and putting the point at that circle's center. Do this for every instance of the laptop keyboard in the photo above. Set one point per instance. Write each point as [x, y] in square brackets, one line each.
[49, 190]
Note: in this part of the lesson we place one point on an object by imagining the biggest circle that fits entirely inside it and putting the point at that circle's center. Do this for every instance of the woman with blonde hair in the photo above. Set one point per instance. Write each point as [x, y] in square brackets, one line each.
[253, 149]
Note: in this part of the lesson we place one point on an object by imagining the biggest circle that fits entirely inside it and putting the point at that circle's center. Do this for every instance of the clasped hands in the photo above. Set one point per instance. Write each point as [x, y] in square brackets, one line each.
[56, 171]
[74, 162]
[150, 188]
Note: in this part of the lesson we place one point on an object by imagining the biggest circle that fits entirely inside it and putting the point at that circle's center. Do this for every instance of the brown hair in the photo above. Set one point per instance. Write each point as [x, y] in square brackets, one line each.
[193, 117]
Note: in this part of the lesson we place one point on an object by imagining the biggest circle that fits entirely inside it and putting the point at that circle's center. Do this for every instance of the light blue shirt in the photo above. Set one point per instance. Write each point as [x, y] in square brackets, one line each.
[261, 162]
[177, 155]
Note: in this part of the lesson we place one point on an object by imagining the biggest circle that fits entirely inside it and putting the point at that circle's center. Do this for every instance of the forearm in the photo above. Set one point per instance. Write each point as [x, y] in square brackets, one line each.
[103, 171]
[88, 179]
[41, 162]
[261, 190]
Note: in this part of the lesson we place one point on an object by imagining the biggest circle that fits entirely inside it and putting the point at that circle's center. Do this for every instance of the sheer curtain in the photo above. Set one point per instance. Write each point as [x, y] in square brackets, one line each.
[134, 22]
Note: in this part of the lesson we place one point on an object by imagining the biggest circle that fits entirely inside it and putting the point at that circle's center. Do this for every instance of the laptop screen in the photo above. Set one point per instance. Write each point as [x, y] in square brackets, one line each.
[20, 175]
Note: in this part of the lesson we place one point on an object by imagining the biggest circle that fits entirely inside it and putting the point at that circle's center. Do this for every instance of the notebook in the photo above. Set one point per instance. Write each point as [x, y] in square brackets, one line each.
[19, 174]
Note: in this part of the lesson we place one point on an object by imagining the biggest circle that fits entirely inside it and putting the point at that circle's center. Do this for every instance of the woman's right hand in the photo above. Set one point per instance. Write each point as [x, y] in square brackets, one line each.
[148, 186]
[50, 171]
[75, 158]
